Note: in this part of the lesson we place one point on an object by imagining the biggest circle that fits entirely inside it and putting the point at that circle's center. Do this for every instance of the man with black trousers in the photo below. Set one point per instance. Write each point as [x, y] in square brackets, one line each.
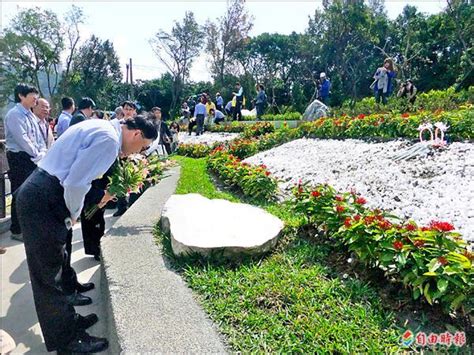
[164, 134]
[59, 186]
[24, 144]
[239, 99]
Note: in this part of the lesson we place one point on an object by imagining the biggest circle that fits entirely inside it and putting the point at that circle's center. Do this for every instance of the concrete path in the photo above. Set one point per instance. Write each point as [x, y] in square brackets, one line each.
[17, 313]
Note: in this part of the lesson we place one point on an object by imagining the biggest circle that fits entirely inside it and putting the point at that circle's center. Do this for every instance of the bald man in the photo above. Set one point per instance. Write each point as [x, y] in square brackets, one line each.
[42, 111]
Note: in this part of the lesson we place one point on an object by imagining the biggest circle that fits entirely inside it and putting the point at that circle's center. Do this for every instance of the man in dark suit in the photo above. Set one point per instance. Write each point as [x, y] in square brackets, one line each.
[85, 110]
[164, 134]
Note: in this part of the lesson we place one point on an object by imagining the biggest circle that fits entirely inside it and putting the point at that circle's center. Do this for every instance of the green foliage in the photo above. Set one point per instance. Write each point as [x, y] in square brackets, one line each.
[254, 181]
[31, 47]
[194, 150]
[290, 116]
[258, 129]
[432, 261]
[432, 100]
[96, 72]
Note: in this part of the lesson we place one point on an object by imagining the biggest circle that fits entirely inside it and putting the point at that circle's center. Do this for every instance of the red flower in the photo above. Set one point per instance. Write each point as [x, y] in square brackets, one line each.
[339, 198]
[442, 260]
[361, 116]
[315, 193]
[441, 226]
[357, 218]
[263, 166]
[410, 227]
[361, 201]
[405, 115]
[369, 219]
[375, 123]
[340, 209]
[418, 243]
[300, 190]
[267, 173]
[347, 222]
[468, 255]
[398, 245]
[424, 229]
[385, 224]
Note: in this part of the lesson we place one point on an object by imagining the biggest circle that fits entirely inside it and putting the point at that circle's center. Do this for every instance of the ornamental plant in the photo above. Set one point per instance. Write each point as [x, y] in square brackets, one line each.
[258, 129]
[432, 261]
[253, 181]
[194, 150]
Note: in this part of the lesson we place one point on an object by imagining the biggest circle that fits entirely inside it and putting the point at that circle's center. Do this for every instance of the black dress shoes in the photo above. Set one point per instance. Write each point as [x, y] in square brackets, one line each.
[84, 343]
[77, 299]
[84, 287]
[84, 322]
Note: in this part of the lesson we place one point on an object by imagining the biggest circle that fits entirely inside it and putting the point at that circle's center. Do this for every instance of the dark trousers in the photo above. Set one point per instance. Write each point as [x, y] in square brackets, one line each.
[219, 107]
[21, 167]
[260, 109]
[122, 204]
[92, 231]
[41, 212]
[237, 114]
[379, 95]
[199, 122]
[68, 275]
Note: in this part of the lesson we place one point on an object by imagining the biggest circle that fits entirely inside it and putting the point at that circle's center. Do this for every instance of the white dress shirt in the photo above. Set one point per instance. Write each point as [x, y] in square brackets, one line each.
[83, 153]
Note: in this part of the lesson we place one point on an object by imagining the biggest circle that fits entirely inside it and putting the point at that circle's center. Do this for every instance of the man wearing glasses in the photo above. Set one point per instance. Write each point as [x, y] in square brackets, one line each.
[59, 184]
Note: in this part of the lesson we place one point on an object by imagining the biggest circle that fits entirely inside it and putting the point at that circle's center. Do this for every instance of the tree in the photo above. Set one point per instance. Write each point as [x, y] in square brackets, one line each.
[31, 49]
[177, 50]
[226, 38]
[74, 17]
[95, 72]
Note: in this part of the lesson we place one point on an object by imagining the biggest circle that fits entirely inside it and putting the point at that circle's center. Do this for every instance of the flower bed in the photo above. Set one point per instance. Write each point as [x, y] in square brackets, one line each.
[432, 261]
[253, 181]
[194, 150]
[389, 126]
[432, 100]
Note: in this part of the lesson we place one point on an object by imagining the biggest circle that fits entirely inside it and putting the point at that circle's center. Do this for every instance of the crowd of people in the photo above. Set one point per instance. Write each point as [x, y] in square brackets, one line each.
[53, 180]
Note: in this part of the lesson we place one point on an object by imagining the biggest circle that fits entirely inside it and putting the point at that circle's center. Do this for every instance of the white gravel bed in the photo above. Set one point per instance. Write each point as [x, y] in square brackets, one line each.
[436, 187]
[205, 138]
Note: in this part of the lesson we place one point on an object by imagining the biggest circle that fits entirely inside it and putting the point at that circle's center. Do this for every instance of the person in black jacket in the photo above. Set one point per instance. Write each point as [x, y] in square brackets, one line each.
[164, 134]
[93, 228]
[85, 110]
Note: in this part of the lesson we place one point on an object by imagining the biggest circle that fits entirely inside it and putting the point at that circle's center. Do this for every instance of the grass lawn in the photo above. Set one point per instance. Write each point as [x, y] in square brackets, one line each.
[289, 300]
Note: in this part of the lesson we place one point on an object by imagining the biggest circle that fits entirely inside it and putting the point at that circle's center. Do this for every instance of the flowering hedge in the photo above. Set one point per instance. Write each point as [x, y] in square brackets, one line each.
[432, 100]
[254, 181]
[432, 261]
[461, 123]
[233, 127]
[258, 129]
[194, 150]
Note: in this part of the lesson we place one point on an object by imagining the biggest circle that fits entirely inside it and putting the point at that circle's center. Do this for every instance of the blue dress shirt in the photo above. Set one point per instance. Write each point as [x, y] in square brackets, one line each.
[63, 122]
[200, 109]
[22, 133]
[82, 154]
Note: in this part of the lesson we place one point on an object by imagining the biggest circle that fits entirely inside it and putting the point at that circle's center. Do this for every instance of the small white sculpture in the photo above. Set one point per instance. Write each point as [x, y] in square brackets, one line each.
[439, 133]
[426, 127]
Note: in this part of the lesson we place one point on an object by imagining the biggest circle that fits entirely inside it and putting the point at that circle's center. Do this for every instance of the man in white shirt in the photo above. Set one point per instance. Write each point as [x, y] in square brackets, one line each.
[65, 117]
[59, 184]
[41, 111]
[24, 144]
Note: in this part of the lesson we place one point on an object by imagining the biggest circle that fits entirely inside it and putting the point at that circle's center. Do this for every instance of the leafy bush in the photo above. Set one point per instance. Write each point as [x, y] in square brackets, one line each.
[432, 100]
[432, 260]
[254, 181]
[194, 150]
[290, 116]
[258, 129]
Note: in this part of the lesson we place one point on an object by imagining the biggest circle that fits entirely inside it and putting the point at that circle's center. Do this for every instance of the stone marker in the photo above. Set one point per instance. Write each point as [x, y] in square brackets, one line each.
[198, 224]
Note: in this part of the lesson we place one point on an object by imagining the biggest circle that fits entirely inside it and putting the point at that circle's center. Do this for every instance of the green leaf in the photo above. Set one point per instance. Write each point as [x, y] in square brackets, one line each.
[442, 285]
[430, 273]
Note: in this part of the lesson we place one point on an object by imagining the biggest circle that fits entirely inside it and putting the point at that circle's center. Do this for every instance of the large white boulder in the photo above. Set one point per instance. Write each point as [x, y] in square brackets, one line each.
[198, 224]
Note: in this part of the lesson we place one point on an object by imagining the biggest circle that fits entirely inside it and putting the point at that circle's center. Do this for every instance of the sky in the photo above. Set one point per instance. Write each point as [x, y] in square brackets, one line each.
[130, 25]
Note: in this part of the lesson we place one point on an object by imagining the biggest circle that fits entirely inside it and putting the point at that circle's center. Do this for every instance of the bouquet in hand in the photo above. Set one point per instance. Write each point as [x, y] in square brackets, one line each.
[127, 177]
